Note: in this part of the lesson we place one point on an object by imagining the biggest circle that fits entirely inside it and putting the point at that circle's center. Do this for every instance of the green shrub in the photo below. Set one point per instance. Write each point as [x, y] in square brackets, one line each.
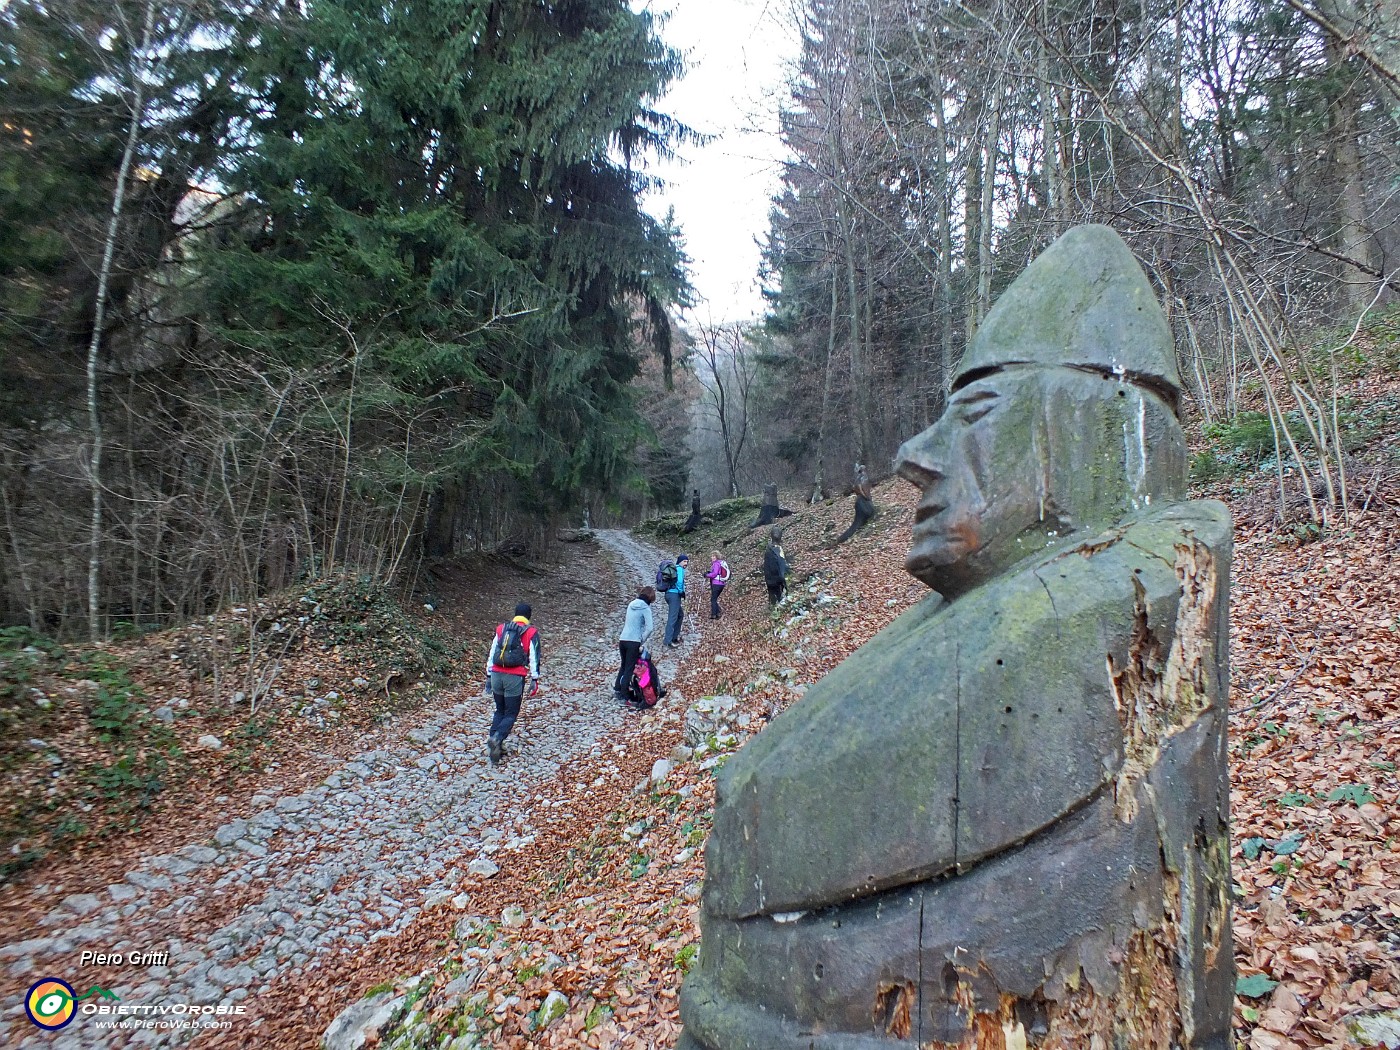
[1249, 434]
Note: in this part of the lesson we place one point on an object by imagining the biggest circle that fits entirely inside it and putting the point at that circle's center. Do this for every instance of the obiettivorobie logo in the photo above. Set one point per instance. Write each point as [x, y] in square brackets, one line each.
[51, 1003]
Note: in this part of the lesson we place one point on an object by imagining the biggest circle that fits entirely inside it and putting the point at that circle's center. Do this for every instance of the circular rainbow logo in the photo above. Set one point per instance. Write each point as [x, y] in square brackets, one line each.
[49, 1003]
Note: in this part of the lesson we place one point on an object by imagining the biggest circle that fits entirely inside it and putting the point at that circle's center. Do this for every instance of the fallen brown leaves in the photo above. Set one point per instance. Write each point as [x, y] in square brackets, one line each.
[1316, 643]
[1315, 731]
[611, 914]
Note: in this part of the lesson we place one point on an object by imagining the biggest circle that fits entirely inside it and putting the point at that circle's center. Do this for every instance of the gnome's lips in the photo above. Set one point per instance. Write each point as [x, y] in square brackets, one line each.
[941, 544]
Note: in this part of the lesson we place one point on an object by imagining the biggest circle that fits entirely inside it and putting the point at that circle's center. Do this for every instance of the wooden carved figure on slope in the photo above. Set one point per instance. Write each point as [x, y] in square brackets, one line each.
[1002, 822]
[865, 505]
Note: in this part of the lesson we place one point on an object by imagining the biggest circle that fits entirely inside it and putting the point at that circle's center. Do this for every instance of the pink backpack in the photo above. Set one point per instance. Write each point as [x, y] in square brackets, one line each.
[646, 687]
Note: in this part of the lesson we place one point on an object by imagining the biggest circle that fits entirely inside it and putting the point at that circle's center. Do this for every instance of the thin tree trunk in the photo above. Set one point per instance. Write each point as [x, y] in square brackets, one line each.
[986, 224]
[1054, 171]
[819, 481]
[104, 274]
[1354, 240]
[972, 217]
[26, 583]
[858, 378]
[945, 246]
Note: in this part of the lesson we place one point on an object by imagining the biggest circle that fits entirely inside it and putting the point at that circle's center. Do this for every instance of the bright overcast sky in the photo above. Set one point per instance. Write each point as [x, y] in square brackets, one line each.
[736, 53]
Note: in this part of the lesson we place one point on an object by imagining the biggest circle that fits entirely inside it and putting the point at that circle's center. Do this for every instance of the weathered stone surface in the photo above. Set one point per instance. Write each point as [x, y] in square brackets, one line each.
[483, 866]
[228, 834]
[707, 717]
[1382, 1029]
[148, 881]
[555, 1005]
[1007, 812]
[469, 926]
[82, 903]
[361, 1023]
[1083, 302]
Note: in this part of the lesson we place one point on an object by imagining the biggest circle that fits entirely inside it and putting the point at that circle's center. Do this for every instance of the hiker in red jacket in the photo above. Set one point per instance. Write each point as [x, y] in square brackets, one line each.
[514, 657]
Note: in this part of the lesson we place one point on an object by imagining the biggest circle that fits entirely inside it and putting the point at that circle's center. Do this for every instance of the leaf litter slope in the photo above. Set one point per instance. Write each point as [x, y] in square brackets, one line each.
[610, 892]
[300, 875]
[609, 881]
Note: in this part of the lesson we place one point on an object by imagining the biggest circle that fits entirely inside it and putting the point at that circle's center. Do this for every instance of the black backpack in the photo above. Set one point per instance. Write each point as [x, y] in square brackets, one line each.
[775, 567]
[512, 649]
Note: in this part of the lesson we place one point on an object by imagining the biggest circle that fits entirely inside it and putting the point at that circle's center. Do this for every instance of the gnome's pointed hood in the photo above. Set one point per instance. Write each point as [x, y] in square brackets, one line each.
[1084, 302]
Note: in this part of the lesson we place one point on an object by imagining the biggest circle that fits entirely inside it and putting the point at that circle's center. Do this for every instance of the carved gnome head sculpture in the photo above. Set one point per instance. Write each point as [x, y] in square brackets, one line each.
[1062, 418]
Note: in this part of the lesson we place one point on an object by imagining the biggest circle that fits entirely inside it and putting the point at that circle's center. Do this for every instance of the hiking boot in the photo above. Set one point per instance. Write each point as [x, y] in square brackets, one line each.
[494, 749]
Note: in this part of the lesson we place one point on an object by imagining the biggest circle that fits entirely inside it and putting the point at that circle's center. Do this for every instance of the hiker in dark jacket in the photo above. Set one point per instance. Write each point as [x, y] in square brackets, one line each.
[775, 572]
[507, 678]
[636, 629]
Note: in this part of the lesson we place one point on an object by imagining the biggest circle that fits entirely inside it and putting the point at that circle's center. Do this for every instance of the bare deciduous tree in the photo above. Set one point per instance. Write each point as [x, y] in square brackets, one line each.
[726, 368]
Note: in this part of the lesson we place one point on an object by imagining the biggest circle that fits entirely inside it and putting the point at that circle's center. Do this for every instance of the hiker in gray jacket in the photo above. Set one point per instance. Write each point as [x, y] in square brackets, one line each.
[636, 629]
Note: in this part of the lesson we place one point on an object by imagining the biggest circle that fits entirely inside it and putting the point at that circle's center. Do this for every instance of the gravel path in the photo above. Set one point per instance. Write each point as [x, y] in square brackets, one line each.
[352, 860]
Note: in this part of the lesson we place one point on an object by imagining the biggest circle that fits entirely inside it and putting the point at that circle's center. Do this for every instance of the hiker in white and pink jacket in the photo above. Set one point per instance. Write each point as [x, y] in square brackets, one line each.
[718, 575]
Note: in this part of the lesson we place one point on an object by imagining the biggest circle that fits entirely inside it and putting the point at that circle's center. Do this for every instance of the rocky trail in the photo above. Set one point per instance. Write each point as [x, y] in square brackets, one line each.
[371, 912]
[303, 877]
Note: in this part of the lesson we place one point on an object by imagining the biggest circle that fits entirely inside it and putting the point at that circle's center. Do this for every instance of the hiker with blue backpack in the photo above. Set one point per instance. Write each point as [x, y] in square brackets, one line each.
[670, 581]
[514, 657]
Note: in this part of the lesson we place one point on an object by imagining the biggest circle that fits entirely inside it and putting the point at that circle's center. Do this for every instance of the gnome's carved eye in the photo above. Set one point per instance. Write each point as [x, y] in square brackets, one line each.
[974, 405]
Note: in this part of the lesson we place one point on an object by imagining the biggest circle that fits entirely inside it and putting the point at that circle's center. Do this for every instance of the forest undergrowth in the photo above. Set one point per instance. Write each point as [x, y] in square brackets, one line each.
[1315, 730]
[601, 908]
[610, 906]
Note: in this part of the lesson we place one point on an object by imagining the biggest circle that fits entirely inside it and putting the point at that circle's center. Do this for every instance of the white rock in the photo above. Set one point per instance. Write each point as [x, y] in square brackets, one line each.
[1377, 1029]
[363, 1022]
[460, 986]
[469, 926]
[555, 1005]
[210, 742]
[513, 917]
[660, 770]
[483, 866]
[82, 903]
